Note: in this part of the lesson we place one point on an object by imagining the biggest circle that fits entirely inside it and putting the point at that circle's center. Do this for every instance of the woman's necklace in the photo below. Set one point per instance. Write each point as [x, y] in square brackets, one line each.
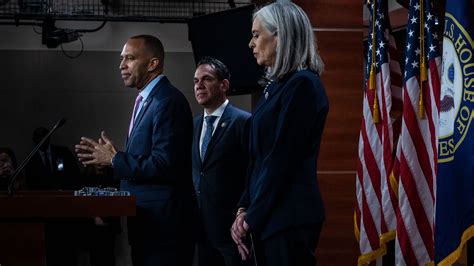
[265, 91]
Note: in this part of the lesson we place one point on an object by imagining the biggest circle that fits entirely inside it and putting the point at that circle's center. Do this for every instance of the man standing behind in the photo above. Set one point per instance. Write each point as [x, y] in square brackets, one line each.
[52, 167]
[156, 164]
[220, 159]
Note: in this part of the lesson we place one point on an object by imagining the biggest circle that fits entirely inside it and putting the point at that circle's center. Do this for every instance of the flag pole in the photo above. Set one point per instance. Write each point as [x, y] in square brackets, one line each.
[423, 68]
[372, 85]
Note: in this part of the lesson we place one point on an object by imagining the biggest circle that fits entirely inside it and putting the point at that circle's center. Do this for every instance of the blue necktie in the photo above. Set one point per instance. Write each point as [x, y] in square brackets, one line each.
[208, 135]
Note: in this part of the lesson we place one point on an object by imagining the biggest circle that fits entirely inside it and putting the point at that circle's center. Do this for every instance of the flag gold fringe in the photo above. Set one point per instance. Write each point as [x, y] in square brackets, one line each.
[389, 236]
[456, 254]
[372, 77]
[394, 184]
[365, 259]
[423, 70]
[376, 115]
[356, 228]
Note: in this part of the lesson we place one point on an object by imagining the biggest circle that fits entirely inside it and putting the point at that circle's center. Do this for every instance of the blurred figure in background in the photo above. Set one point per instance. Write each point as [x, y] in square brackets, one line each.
[53, 167]
[7, 168]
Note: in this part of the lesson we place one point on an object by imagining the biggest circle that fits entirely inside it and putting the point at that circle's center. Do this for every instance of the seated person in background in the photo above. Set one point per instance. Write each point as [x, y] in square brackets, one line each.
[52, 167]
[7, 167]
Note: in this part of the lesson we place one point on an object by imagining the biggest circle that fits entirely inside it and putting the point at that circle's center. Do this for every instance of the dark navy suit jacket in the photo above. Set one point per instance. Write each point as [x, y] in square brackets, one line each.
[285, 136]
[156, 168]
[222, 173]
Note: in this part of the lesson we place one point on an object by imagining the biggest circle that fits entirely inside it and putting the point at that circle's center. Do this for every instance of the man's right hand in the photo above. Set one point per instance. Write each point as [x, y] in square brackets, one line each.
[98, 153]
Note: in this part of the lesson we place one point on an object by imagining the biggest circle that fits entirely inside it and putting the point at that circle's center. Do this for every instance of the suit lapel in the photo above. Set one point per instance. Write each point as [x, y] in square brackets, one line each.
[139, 117]
[220, 129]
[145, 106]
[197, 137]
[147, 103]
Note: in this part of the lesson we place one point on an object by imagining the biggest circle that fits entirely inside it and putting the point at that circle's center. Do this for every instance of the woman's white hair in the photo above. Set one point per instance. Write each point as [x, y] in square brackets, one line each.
[296, 48]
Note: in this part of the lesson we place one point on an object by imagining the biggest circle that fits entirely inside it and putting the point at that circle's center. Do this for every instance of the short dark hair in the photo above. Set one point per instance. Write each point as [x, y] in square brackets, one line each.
[154, 46]
[10, 154]
[39, 133]
[221, 70]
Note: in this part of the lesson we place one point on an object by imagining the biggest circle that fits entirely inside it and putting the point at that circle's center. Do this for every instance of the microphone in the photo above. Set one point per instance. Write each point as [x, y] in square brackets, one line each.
[60, 123]
[20, 168]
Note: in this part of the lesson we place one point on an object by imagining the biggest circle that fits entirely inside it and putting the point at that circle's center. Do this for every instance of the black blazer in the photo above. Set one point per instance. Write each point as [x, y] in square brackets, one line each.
[156, 168]
[285, 135]
[222, 173]
[65, 173]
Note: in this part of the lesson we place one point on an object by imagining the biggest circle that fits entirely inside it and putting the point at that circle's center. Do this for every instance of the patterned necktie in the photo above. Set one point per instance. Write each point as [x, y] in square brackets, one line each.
[207, 136]
[135, 109]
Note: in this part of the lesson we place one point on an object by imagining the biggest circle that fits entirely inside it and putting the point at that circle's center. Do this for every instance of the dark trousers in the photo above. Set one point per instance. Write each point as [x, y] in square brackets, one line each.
[65, 238]
[293, 246]
[60, 237]
[153, 246]
[225, 254]
[101, 244]
[162, 256]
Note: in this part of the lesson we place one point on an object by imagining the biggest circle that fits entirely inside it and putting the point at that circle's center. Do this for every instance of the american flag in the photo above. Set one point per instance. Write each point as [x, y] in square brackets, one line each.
[417, 152]
[376, 201]
[394, 108]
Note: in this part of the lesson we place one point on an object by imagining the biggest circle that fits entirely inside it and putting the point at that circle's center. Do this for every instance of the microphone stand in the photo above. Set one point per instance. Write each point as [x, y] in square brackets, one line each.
[28, 158]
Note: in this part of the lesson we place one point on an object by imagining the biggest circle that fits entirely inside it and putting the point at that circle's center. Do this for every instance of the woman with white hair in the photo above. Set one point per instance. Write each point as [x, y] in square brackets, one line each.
[281, 212]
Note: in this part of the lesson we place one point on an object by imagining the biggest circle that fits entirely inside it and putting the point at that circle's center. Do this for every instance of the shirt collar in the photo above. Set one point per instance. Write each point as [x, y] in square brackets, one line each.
[148, 88]
[219, 111]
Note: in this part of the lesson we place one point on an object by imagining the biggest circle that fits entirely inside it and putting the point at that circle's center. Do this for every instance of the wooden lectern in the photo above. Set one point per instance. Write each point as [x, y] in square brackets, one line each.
[23, 217]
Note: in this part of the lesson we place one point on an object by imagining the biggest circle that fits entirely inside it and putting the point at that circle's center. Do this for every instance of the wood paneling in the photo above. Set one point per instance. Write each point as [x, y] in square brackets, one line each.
[342, 53]
[19, 245]
[329, 13]
[337, 245]
[333, 13]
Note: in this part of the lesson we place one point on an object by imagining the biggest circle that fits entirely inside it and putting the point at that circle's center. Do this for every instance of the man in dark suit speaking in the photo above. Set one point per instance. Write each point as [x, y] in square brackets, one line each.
[220, 160]
[156, 163]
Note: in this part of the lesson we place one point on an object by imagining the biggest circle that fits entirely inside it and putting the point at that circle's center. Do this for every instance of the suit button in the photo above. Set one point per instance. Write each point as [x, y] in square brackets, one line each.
[202, 174]
[199, 192]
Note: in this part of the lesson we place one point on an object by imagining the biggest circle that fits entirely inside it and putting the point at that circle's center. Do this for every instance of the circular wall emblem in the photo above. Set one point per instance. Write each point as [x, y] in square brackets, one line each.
[457, 89]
